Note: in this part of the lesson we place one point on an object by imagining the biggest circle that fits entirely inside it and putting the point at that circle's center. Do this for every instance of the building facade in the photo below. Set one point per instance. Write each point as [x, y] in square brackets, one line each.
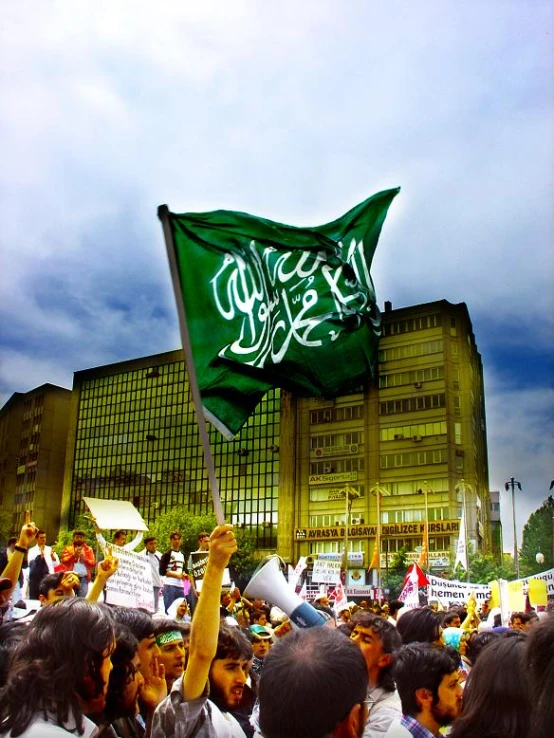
[33, 438]
[412, 441]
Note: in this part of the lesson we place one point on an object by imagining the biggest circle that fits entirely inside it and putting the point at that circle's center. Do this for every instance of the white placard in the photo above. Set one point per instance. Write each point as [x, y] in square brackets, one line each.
[113, 514]
[131, 585]
[326, 572]
[447, 591]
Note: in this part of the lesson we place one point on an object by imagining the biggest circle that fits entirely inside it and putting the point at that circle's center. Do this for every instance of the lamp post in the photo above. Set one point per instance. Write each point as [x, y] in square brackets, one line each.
[424, 490]
[379, 492]
[512, 484]
[350, 494]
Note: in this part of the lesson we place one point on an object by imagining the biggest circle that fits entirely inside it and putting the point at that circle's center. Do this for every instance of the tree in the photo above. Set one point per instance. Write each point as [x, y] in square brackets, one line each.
[537, 538]
[393, 579]
[242, 563]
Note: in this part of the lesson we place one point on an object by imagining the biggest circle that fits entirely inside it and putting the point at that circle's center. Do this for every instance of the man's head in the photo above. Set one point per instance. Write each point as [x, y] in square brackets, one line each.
[120, 537]
[11, 542]
[420, 625]
[175, 540]
[230, 668]
[78, 537]
[150, 544]
[141, 626]
[172, 640]
[322, 601]
[41, 538]
[378, 641]
[452, 619]
[427, 681]
[203, 541]
[516, 621]
[314, 684]
[58, 586]
[259, 617]
[261, 640]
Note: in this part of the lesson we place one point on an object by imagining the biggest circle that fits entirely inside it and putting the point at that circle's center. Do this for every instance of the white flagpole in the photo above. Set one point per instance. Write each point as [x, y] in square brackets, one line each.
[163, 215]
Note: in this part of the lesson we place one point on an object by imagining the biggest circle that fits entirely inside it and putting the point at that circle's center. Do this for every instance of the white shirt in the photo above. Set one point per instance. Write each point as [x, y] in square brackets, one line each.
[35, 552]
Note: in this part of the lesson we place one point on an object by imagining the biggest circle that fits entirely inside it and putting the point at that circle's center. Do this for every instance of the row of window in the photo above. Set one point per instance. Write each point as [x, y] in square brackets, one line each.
[335, 414]
[411, 350]
[414, 458]
[409, 325]
[337, 465]
[412, 404]
[399, 379]
[336, 440]
[397, 433]
[388, 545]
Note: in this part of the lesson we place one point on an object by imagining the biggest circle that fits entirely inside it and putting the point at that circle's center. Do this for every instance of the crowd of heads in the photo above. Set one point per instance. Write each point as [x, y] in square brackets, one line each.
[369, 665]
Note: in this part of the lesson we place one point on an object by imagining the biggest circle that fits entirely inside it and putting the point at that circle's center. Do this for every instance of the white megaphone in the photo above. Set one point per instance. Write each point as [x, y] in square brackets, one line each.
[269, 584]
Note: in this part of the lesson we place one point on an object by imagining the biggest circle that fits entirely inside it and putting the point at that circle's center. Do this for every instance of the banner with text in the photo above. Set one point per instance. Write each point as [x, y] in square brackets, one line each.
[447, 591]
[131, 585]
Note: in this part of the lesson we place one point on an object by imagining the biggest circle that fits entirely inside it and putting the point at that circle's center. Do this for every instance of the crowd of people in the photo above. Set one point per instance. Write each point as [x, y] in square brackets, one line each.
[210, 663]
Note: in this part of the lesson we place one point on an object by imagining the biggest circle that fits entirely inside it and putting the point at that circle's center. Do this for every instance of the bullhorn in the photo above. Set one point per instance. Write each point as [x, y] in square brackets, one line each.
[269, 584]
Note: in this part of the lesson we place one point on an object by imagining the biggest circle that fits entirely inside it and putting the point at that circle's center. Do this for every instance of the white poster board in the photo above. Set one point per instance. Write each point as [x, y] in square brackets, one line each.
[447, 591]
[326, 572]
[131, 585]
[114, 514]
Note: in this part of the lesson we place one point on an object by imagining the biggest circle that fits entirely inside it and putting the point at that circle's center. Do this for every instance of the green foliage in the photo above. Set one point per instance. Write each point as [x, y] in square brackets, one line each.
[537, 538]
[393, 579]
[65, 536]
[483, 568]
[5, 527]
[179, 518]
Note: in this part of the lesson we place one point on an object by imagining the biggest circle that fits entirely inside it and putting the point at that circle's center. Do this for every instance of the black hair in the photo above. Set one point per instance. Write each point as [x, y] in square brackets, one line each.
[57, 667]
[148, 539]
[497, 698]
[315, 667]
[122, 673]
[164, 625]
[421, 665]
[390, 639]
[11, 634]
[476, 643]
[140, 623]
[420, 625]
[232, 643]
[50, 581]
[539, 661]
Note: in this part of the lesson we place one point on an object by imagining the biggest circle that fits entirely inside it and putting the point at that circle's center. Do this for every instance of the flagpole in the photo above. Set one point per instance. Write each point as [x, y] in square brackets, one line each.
[163, 215]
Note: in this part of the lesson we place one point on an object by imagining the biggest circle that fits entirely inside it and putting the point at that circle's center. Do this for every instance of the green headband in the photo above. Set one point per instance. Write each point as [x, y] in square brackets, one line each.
[168, 637]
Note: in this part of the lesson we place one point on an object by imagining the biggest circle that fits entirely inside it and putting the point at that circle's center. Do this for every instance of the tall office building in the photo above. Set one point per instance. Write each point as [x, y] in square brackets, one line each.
[414, 440]
[33, 436]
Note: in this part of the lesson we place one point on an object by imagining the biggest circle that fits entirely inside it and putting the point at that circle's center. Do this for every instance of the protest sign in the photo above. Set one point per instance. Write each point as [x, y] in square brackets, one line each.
[131, 585]
[114, 514]
[326, 572]
[447, 591]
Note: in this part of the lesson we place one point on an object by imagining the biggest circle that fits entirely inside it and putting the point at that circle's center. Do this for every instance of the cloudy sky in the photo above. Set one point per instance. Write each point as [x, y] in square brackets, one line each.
[294, 111]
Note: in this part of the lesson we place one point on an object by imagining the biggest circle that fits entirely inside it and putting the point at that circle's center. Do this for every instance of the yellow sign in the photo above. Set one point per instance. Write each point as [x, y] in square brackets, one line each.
[335, 533]
[537, 592]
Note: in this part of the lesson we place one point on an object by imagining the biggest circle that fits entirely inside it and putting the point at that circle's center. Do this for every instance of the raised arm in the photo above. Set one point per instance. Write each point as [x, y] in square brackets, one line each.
[134, 543]
[17, 559]
[205, 623]
[106, 569]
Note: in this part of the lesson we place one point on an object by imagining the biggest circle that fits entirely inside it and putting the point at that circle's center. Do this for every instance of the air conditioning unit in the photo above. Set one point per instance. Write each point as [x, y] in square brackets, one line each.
[398, 436]
[416, 438]
[356, 521]
[418, 385]
[328, 468]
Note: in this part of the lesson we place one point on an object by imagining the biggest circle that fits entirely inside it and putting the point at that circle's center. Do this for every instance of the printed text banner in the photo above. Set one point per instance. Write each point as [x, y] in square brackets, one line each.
[271, 305]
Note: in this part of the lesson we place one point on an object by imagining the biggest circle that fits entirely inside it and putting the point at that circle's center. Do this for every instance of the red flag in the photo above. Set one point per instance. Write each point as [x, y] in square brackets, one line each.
[422, 580]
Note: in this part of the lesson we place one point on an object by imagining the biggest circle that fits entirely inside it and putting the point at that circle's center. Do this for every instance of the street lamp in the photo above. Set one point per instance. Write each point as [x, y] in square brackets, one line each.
[379, 492]
[350, 494]
[512, 484]
[424, 490]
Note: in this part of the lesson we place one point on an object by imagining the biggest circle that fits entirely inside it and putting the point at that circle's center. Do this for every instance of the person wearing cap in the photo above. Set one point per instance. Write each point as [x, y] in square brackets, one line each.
[262, 643]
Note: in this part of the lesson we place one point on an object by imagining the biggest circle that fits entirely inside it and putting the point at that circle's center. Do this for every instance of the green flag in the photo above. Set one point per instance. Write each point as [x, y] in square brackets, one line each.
[271, 305]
